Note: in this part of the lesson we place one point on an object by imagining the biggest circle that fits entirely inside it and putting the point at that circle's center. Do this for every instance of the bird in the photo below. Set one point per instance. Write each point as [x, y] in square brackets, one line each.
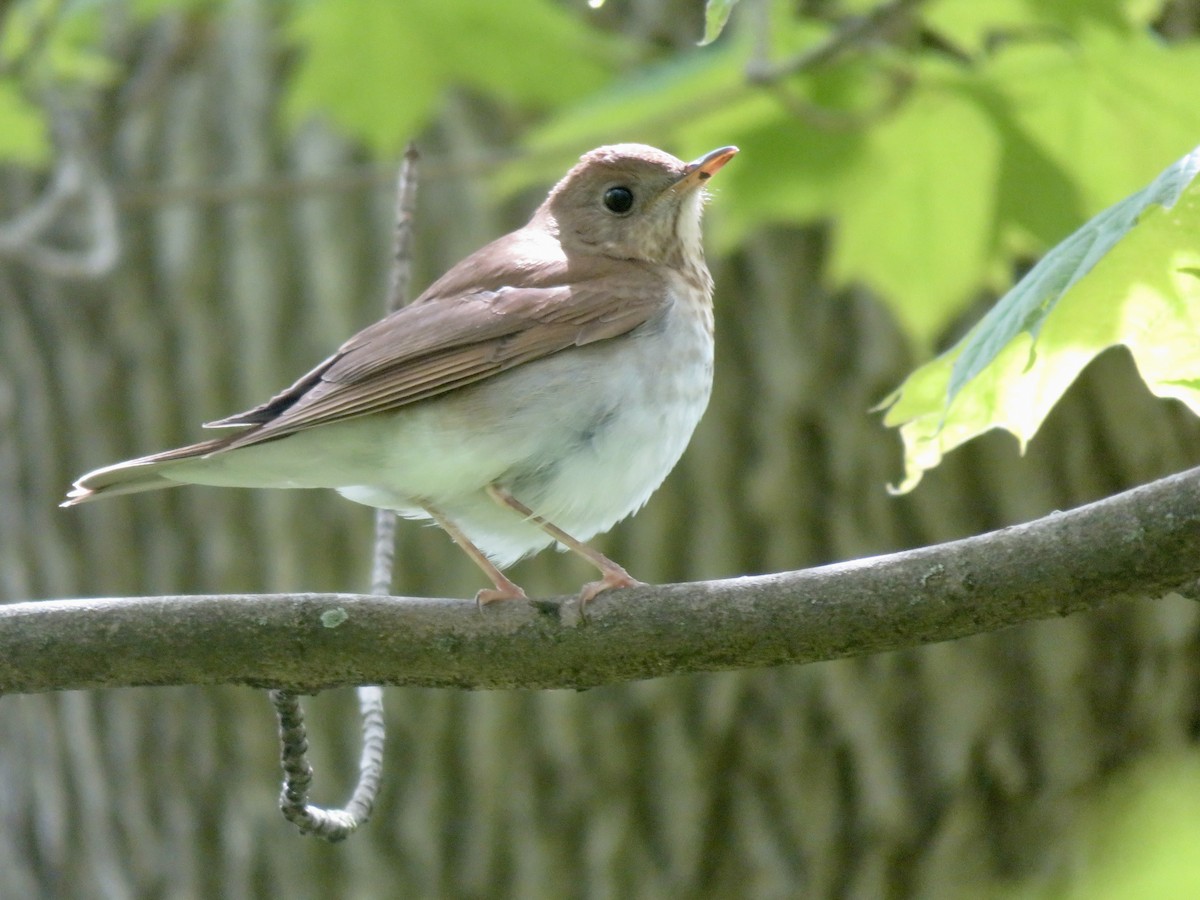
[537, 393]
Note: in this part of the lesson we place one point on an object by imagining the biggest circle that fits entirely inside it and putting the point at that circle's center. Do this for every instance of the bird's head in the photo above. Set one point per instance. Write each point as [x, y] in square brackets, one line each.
[632, 201]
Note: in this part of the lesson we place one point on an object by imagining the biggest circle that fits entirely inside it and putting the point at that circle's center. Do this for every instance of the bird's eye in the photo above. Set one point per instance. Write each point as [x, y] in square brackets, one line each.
[618, 200]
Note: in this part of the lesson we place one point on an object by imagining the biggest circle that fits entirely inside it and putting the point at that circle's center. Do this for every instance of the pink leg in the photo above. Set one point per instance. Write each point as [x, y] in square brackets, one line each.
[613, 575]
[505, 589]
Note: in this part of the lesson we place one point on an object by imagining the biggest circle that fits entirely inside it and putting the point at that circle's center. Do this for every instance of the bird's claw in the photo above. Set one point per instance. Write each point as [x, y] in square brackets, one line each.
[613, 578]
[493, 595]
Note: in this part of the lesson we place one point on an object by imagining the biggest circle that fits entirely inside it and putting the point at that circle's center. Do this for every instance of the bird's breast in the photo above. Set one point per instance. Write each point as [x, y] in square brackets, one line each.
[583, 437]
[631, 410]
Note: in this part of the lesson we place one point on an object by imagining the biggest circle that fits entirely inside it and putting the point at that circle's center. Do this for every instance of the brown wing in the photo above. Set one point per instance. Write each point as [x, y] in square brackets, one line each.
[430, 348]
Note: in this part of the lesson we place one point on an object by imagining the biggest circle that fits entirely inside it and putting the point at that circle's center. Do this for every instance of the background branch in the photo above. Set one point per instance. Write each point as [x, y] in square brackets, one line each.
[338, 824]
[1143, 543]
[77, 188]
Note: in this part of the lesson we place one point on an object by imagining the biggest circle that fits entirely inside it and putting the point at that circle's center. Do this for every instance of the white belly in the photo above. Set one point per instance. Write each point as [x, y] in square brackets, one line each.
[593, 436]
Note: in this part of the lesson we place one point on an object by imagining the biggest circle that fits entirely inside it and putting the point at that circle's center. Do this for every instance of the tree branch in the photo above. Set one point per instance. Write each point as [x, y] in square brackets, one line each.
[77, 182]
[1144, 543]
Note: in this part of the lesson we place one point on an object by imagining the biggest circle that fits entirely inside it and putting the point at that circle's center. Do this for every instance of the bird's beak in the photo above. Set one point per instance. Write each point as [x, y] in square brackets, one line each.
[700, 170]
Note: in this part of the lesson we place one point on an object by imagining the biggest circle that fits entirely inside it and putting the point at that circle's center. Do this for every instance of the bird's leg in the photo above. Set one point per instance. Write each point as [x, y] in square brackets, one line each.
[613, 575]
[505, 589]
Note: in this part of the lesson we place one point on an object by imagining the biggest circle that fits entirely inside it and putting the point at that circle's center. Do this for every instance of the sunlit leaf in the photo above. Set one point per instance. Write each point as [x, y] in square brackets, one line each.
[654, 99]
[1107, 111]
[380, 68]
[700, 94]
[1130, 276]
[56, 43]
[716, 14]
[986, 162]
[917, 223]
[971, 25]
[1027, 306]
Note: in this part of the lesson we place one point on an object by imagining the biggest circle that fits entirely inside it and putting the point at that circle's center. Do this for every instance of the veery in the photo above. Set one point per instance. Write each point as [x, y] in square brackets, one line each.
[539, 391]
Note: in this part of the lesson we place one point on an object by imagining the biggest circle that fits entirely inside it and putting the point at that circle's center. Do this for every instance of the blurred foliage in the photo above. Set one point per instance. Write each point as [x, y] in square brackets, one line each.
[1138, 839]
[379, 69]
[53, 51]
[53, 45]
[1130, 276]
[942, 146]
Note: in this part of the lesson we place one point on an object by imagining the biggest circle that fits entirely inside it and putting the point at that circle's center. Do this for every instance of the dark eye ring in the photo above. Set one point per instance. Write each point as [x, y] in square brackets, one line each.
[618, 199]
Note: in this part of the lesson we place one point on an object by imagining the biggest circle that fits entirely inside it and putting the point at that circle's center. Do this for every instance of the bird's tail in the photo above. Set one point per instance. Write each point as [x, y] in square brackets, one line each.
[136, 475]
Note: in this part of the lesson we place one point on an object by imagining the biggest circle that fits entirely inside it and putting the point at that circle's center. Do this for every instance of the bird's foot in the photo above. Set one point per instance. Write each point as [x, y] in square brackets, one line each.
[614, 577]
[504, 590]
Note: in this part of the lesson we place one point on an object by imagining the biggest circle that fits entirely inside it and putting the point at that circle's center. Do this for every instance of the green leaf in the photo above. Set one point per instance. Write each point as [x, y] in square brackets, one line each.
[716, 14]
[971, 25]
[379, 68]
[1078, 102]
[651, 99]
[1129, 276]
[984, 163]
[23, 136]
[698, 94]
[57, 44]
[1027, 306]
[916, 221]
[1039, 200]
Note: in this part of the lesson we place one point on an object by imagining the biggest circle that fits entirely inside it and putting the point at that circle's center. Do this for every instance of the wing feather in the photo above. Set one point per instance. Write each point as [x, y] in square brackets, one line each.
[442, 343]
